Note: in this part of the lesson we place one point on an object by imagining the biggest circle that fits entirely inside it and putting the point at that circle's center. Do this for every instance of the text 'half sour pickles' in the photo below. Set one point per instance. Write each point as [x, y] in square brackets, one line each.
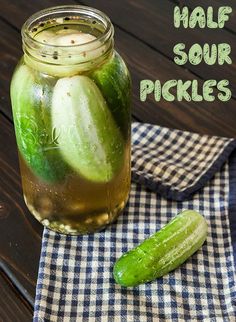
[71, 104]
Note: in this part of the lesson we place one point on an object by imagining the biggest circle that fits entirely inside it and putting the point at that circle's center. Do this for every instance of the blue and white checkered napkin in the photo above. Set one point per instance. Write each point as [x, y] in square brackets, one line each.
[172, 171]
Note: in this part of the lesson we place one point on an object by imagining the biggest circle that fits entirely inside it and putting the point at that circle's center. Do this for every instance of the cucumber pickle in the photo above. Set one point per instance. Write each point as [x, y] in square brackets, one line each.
[113, 79]
[96, 147]
[162, 252]
[36, 139]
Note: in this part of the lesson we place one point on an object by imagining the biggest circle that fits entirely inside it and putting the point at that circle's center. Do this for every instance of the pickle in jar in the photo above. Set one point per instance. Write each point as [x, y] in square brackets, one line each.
[36, 138]
[96, 148]
[74, 145]
[114, 82]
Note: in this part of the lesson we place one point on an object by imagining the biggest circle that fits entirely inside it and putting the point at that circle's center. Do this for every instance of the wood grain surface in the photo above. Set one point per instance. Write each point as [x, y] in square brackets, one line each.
[13, 306]
[20, 234]
[145, 36]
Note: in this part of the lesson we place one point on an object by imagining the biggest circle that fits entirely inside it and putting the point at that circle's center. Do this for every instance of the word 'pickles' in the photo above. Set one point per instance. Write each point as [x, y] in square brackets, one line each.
[185, 90]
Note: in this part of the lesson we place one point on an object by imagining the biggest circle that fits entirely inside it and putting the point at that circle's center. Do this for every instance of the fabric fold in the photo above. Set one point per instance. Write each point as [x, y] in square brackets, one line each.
[176, 163]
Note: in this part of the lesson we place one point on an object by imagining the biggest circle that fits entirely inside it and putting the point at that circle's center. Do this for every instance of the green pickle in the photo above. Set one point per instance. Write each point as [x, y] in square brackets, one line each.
[113, 80]
[35, 136]
[71, 105]
[96, 148]
[162, 252]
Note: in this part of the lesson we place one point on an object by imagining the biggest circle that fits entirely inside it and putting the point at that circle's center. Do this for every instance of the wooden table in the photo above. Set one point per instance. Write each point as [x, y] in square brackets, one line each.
[145, 36]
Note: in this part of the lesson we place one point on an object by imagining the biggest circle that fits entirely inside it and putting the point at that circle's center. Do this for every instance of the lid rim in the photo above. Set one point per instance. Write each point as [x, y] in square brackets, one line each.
[107, 33]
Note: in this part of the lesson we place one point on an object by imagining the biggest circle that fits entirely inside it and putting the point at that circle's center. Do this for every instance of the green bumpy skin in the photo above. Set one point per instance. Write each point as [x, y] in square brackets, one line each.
[162, 252]
[89, 140]
[113, 80]
[36, 139]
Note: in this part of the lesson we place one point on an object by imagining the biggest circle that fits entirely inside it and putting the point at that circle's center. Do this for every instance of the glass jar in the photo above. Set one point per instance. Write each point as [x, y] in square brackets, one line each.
[70, 98]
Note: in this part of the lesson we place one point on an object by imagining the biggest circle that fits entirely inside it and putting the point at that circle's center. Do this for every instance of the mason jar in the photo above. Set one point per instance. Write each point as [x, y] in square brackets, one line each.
[70, 97]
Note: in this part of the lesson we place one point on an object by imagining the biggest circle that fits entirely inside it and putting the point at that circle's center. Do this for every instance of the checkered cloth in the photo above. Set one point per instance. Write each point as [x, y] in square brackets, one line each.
[75, 281]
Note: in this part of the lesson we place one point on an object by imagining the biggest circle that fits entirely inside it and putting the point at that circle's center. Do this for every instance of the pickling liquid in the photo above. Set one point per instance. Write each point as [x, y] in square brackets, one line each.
[74, 204]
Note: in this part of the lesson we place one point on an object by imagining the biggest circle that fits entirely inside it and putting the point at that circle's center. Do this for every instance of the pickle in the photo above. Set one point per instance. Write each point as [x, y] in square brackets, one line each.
[35, 137]
[113, 79]
[88, 137]
[64, 38]
[75, 52]
[162, 252]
